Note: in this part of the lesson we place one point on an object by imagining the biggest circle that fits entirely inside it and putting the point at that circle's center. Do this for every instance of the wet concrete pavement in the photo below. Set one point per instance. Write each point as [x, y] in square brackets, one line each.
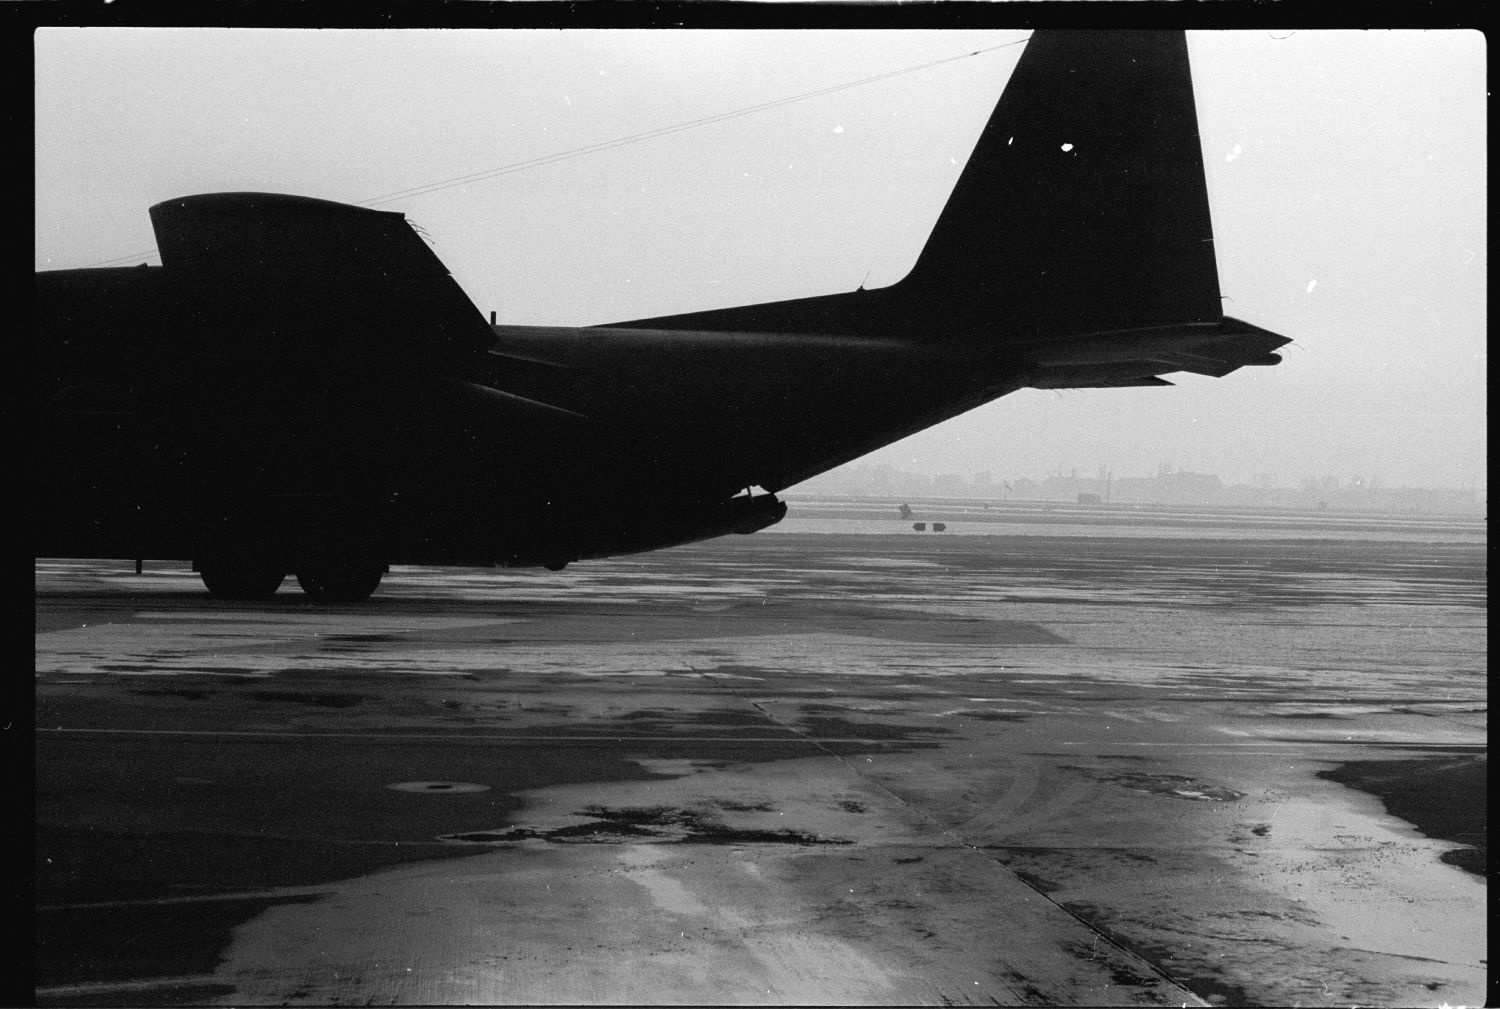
[787, 768]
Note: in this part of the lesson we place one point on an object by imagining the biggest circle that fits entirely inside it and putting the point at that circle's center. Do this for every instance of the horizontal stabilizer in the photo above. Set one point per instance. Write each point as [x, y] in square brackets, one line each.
[1093, 378]
[1138, 357]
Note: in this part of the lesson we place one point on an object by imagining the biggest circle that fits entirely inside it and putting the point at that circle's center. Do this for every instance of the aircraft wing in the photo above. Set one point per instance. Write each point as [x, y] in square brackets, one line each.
[316, 272]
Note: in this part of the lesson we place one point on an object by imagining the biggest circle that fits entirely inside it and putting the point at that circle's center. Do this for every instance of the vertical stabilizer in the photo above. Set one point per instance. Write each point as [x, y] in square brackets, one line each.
[1082, 209]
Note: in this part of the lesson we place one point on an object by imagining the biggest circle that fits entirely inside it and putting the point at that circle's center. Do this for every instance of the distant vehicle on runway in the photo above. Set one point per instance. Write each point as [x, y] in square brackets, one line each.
[300, 388]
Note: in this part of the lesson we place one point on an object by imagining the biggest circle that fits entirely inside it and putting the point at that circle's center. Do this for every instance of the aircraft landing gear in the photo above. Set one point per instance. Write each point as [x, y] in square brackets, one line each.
[340, 579]
[336, 557]
[240, 578]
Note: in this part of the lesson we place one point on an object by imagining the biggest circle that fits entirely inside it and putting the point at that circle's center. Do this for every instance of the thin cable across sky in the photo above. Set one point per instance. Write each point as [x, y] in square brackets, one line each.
[634, 138]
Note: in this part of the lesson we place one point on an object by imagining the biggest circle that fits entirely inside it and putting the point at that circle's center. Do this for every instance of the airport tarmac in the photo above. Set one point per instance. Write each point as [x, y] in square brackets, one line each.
[796, 767]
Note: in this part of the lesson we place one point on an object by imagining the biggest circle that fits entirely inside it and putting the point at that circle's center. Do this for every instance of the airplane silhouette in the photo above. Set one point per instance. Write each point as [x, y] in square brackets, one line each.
[301, 388]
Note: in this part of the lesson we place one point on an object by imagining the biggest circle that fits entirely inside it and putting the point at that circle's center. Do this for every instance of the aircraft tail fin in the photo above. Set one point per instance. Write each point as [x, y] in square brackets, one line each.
[1083, 209]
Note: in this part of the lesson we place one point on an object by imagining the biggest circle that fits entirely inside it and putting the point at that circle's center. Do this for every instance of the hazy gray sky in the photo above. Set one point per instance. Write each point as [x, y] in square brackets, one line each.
[1346, 171]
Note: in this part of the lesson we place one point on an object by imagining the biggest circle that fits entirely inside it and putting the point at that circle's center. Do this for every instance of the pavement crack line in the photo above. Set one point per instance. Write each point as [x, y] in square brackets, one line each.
[984, 852]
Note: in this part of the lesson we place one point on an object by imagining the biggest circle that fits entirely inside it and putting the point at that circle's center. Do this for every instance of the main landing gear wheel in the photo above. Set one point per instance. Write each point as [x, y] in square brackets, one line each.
[340, 580]
[240, 578]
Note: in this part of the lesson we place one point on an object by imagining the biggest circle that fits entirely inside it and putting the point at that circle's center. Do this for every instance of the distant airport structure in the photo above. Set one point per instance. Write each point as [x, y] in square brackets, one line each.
[1169, 486]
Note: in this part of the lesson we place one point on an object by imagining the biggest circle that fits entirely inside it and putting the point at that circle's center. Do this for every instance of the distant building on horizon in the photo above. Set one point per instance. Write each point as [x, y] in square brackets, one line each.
[1170, 486]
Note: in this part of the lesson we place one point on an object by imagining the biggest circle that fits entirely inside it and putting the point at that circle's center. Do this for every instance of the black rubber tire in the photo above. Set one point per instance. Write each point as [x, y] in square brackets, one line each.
[340, 580]
[244, 579]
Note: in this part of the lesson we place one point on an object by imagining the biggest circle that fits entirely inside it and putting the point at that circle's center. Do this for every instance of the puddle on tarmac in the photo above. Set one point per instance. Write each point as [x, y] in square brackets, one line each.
[439, 787]
[666, 824]
[1176, 786]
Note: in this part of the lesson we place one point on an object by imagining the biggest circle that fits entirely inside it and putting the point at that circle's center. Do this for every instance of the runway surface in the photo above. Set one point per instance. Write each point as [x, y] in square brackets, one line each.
[1139, 767]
